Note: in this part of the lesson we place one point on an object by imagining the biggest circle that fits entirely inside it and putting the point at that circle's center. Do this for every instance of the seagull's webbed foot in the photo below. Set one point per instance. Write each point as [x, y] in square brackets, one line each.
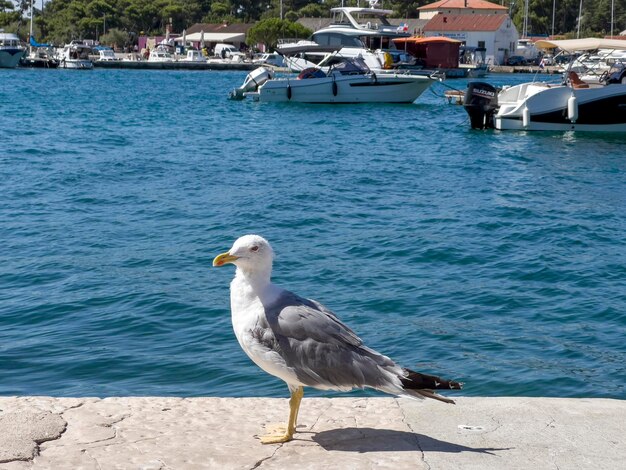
[276, 434]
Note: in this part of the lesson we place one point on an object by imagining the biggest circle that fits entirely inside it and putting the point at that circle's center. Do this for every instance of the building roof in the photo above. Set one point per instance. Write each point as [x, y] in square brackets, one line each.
[463, 4]
[220, 28]
[443, 22]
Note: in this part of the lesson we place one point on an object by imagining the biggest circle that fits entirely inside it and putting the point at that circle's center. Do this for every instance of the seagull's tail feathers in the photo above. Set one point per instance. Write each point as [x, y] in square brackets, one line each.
[420, 385]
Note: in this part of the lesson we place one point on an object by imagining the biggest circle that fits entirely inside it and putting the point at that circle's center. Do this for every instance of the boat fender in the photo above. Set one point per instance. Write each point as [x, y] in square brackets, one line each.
[572, 109]
[375, 78]
[334, 88]
[388, 60]
[526, 117]
[288, 91]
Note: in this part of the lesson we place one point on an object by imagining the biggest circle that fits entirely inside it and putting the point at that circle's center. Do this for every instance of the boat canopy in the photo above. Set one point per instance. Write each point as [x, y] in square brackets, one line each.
[362, 11]
[585, 44]
[305, 47]
[36, 44]
[430, 40]
[212, 37]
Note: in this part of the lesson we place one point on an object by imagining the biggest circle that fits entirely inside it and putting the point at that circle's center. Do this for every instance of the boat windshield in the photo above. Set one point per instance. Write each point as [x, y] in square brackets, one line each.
[348, 65]
[9, 42]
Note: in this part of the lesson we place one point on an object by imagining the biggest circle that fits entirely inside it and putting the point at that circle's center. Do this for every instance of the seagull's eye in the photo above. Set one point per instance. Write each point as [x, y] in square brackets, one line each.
[254, 248]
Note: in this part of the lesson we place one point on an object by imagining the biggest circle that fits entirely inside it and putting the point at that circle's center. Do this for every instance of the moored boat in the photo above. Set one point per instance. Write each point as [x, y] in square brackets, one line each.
[572, 105]
[40, 56]
[11, 50]
[349, 80]
[75, 55]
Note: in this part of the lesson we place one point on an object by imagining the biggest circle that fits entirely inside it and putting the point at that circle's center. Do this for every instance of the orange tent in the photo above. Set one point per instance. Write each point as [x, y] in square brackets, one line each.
[436, 52]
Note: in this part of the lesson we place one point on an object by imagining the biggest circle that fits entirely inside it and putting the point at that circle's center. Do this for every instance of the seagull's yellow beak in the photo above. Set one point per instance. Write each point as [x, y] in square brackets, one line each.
[221, 260]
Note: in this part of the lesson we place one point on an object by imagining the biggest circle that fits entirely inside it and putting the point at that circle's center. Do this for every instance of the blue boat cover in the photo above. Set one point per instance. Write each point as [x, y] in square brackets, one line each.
[36, 44]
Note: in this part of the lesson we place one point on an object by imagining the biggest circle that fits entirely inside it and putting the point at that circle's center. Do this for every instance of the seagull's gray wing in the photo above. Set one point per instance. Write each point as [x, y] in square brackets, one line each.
[322, 351]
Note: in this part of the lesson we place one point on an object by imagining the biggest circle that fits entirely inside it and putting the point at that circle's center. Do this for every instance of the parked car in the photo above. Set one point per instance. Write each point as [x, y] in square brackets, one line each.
[228, 51]
[271, 59]
[516, 60]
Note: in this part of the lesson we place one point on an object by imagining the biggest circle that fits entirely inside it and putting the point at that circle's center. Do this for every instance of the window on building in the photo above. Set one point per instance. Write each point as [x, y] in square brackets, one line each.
[481, 44]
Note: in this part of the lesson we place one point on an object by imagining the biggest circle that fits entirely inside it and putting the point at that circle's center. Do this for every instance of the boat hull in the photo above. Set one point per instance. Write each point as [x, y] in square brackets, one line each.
[10, 57]
[76, 64]
[562, 108]
[368, 88]
[39, 62]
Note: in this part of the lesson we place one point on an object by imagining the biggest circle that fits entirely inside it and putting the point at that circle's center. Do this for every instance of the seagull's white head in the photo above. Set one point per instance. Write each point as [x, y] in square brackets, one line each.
[250, 253]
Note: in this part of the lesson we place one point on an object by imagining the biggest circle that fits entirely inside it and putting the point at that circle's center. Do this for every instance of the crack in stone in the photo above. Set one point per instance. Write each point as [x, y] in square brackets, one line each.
[416, 435]
[498, 424]
[84, 451]
[82, 403]
[322, 413]
[262, 461]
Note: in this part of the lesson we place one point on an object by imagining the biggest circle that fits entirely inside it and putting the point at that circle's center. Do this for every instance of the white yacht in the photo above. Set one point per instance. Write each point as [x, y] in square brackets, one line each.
[75, 55]
[11, 50]
[573, 105]
[369, 25]
[348, 80]
[358, 32]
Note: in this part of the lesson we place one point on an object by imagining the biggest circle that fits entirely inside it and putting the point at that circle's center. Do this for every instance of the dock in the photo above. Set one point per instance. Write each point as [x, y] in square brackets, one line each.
[348, 433]
[175, 65]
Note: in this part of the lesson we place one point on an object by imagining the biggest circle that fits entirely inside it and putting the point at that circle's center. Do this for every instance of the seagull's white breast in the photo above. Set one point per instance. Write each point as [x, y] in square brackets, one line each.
[247, 312]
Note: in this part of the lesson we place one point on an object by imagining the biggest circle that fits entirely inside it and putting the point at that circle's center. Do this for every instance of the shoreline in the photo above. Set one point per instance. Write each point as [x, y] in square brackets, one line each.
[198, 433]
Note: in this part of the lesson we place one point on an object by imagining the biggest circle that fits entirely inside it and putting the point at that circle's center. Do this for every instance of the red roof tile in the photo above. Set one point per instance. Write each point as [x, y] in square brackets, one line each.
[465, 22]
[469, 4]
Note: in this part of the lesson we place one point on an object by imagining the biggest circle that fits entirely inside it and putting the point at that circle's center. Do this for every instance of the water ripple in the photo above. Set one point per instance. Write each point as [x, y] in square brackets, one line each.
[495, 258]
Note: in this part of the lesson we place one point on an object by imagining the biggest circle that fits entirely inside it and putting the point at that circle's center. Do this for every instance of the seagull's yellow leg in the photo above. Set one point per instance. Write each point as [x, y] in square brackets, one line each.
[280, 434]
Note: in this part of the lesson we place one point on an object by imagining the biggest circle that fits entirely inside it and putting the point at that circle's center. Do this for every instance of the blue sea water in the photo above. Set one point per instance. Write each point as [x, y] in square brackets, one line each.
[495, 258]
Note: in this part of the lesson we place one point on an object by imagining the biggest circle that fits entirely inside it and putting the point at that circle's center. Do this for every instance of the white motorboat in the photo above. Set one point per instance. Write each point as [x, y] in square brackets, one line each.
[572, 105]
[11, 50]
[106, 54]
[75, 55]
[349, 80]
[359, 32]
[194, 55]
[160, 54]
[276, 60]
[590, 66]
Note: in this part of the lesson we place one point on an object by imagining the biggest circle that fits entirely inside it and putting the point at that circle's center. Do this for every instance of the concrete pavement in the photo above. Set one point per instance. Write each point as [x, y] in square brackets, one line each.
[346, 433]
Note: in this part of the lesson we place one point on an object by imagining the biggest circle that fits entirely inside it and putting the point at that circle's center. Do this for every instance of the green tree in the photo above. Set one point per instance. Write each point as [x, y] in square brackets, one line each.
[269, 31]
[314, 10]
[6, 5]
[8, 15]
[115, 38]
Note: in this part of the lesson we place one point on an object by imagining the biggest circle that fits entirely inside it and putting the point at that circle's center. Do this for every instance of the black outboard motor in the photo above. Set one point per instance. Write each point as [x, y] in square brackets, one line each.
[481, 103]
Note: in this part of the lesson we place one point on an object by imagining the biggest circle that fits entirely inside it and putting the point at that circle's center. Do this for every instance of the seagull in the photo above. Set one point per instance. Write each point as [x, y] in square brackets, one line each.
[304, 343]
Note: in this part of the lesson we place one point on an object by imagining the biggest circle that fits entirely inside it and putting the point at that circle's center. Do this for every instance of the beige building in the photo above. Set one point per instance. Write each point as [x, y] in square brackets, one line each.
[477, 23]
